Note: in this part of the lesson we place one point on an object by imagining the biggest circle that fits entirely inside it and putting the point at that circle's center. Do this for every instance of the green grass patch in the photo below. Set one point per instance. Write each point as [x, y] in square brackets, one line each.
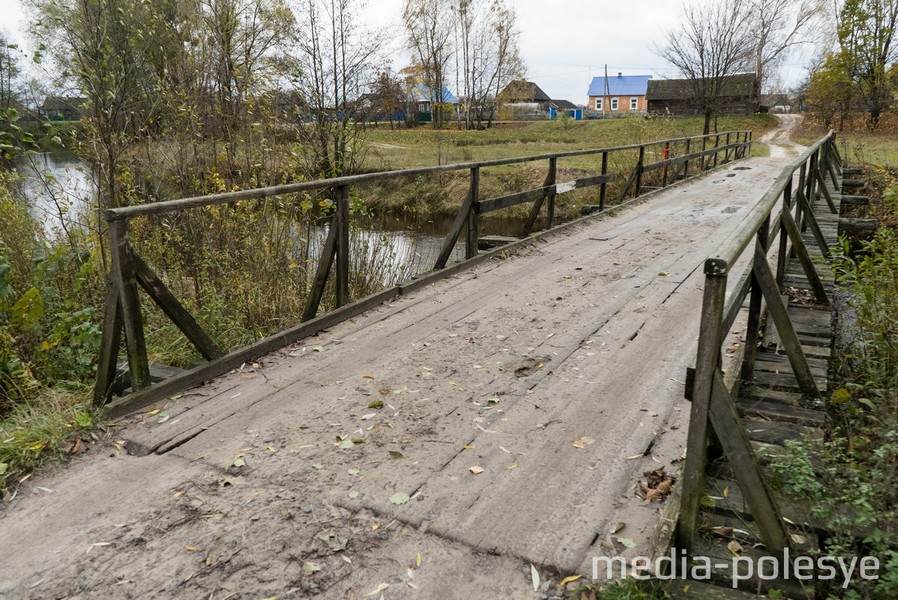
[857, 145]
[40, 430]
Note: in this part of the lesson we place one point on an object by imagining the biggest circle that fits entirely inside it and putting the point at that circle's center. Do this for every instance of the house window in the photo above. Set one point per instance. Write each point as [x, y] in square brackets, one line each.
[598, 104]
[634, 103]
[614, 103]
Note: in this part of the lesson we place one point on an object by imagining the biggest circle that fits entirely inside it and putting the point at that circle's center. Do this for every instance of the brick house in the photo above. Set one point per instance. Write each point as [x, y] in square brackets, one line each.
[622, 94]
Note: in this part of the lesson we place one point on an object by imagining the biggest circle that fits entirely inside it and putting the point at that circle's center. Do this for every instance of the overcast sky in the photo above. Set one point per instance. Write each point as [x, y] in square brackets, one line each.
[564, 43]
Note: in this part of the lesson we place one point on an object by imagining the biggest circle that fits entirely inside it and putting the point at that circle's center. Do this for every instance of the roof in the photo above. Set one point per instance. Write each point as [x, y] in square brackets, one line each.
[620, 85]
[63, 103]
[771, 100]
[523, 91]
[421, 93]
[564, 104]
[681, 89]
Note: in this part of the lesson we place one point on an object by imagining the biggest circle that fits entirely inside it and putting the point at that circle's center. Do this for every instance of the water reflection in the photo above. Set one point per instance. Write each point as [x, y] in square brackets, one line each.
[57, 188]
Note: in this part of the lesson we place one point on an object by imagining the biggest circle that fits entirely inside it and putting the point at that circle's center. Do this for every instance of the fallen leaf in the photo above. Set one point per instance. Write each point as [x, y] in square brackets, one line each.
[346, 444]
[368, 416]
[468, 447]
[353, 494]
[367, 376]
[239, 462]
[375, 592]
[163, 417]
[395, 454]
[569, 579]
[534, 578]
[627, 542]
[376, 404]
[583, 442]
[418, 560]
[476, 470]
[191, 548]
[353, 471]
[318, 349]
[734, 547]
[399, 498]
[317, 466]
[309, 568]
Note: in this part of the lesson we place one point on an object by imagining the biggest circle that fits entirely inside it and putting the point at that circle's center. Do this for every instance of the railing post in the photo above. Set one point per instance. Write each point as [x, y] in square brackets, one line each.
[550, 198]
[726, 151]
[754, 311]
[604, 186]
[125, 279]
[784, 239]
[686, 163]
[702, 161]
[706, 366]
[472, 235]
[342, 223]
[639, 171]
[716, 147]
[664, 169]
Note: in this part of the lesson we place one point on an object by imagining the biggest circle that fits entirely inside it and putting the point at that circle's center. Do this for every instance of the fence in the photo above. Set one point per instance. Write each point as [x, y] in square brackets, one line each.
[642, 167]
[713, 407]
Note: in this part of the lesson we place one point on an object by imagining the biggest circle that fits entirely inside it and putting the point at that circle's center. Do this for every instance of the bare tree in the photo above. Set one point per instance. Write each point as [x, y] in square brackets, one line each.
[710, 45]
[778, 26]
[488, 35]
[429, 26]
[336, 63]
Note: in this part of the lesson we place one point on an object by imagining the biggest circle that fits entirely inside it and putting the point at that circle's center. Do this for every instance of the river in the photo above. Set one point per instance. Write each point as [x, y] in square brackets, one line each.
[60, 192]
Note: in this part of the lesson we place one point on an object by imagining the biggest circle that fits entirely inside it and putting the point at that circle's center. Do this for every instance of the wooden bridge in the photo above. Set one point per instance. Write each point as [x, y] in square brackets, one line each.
[480, 431]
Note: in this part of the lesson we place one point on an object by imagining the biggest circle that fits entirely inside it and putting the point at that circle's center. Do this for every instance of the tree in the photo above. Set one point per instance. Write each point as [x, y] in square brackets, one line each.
[336, 59]
[830, 91]
[710, 45]
[490, 58]
[778, 26]
[429, 27]
[866, 34]
[9, 72]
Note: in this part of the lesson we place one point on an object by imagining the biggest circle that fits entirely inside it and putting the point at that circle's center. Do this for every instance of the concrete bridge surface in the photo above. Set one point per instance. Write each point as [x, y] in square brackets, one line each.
[439, 445]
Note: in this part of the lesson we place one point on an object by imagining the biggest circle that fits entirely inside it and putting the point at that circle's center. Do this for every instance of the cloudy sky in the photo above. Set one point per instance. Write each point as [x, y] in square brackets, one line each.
[564, 43]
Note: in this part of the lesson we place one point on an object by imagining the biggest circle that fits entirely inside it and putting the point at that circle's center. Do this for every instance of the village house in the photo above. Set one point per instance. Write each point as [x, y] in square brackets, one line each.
[522, 99]
[61, 108]
[739, 96]
[623, 94]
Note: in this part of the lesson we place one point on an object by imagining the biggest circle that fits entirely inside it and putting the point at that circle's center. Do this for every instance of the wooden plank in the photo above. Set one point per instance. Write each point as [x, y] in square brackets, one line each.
[321, 274]
[799, 248]
[826, 195]
[778, 411]
[132, 318]
[777, 432]
[110, 340]
[485, 206]
[341, 253]
[174, 310]
[537, 206]
[781, 320]
[811, 220]
[472, 227]
[452, 237]
[237, 357]
[707, 357]
[738, 451]
[586, 182]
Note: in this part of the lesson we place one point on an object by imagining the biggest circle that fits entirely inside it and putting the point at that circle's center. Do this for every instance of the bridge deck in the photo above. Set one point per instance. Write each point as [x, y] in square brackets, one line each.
[557, 371]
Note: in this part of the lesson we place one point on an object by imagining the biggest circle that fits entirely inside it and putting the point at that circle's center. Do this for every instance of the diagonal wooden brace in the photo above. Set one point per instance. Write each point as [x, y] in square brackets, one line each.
[737, 447]
[324, 268]
[110, 340]
[174, 310]
[801, 251]
[784, 326]
[825, 191]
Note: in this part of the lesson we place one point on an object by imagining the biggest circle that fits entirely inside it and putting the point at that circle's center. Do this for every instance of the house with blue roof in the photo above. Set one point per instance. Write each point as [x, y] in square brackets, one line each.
[621, 95]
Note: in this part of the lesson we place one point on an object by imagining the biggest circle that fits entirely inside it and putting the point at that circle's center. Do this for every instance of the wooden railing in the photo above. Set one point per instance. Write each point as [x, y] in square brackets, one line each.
[679, 158]
[785, 210]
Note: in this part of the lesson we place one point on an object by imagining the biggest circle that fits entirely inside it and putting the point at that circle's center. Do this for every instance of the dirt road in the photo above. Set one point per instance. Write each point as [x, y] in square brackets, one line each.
[440, 445]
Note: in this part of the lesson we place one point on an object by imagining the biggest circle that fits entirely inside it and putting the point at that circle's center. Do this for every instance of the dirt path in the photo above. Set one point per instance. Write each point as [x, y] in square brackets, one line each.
[347, 463]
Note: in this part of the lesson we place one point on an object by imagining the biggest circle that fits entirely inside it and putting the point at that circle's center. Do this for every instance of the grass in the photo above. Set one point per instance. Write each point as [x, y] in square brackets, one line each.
[406, 148]
[442, 194]
[38, 431]
[856, 143]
